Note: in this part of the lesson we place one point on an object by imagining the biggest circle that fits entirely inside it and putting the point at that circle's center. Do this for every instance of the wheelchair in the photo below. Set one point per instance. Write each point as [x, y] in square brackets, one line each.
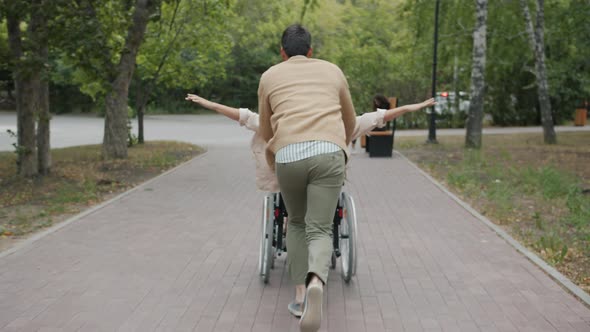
[273, 239]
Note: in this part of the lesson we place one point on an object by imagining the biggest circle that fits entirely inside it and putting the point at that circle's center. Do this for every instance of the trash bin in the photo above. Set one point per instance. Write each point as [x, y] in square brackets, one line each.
[380, 143]
[580, 117]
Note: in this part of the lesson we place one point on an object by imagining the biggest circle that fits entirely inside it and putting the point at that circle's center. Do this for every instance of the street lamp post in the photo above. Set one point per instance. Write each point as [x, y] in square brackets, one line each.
[432, 126]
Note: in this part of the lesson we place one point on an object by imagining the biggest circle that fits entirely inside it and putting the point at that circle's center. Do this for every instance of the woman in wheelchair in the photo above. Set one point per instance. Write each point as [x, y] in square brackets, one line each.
[266, 180]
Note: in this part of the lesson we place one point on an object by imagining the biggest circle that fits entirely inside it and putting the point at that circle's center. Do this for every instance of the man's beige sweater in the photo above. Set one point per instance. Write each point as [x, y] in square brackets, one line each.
[304, 99]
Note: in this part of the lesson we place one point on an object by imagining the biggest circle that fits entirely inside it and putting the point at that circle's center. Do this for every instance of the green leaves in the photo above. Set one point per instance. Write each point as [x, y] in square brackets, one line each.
[221, 47]
[91, 36]
[374, 44]
[188, 46]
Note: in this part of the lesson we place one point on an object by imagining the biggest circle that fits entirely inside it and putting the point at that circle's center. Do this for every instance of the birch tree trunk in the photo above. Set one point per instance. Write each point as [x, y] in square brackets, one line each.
[475, 114]
[537, 42]
[115, 128]
[457, 101]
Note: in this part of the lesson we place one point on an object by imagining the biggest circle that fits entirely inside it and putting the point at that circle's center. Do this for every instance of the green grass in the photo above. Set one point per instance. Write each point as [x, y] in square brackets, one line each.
[538, 192]
[500, 185]
[79, 178]
[552, 247]
[548, 181]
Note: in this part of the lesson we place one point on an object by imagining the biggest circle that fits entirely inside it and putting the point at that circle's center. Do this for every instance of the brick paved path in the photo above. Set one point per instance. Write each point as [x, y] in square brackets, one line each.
[180, 254]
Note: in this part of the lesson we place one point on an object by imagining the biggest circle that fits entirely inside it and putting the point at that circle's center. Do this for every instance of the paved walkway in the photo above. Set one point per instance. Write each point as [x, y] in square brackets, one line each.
[180, 254]
[207, 129]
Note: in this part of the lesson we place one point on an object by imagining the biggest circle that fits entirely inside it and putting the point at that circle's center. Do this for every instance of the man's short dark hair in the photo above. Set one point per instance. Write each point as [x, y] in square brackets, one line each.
[296, 40]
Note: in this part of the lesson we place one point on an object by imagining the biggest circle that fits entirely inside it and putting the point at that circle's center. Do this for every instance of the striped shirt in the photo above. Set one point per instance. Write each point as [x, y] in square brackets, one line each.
[303, 150]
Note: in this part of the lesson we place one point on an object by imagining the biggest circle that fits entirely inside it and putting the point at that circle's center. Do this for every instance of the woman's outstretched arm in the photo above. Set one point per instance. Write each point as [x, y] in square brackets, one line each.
[399, 111]
[230, 112]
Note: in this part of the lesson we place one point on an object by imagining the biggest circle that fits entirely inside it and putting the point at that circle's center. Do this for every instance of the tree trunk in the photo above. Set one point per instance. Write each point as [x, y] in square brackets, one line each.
[39, 35]
[144, 90]
[115, 131]
[25, 95]
[43, 137]
[140, 104]
[475, 115]
[27, 145]
[15, 45]
[456, 115]
[537, 42]
[140, 112]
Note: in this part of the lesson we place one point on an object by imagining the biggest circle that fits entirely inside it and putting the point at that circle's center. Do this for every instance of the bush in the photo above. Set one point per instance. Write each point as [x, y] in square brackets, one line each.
[69, 99]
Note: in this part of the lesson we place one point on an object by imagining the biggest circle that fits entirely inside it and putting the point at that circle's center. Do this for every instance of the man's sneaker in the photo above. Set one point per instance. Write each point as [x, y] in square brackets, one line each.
[296, 309]
[312, 313]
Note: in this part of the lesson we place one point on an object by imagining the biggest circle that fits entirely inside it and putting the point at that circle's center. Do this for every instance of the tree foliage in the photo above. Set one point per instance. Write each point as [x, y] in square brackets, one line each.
[188, 46]
[219, 48]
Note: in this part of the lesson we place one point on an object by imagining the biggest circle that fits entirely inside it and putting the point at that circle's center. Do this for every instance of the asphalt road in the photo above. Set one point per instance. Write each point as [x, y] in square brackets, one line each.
[205, 130]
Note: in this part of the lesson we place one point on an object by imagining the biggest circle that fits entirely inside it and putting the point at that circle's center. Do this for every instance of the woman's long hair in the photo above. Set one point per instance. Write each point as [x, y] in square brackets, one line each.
[379, 101]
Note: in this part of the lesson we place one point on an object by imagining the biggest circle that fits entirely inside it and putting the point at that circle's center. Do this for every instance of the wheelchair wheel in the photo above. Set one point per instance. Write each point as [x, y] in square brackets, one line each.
[266, 256]
[348, 238]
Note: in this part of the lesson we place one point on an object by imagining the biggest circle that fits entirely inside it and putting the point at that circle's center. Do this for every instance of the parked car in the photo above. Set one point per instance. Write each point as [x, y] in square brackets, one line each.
[445, 102]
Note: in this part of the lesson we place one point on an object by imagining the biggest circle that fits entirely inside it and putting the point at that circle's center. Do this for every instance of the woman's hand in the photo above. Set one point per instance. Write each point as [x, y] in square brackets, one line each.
[428, 103]
[199, 100]
[399, 111]
[230, 112]
[419, 106]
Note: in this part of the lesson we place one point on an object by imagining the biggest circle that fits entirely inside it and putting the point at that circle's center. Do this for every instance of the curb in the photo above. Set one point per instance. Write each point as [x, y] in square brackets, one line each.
[29, 241]
[551, 271]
